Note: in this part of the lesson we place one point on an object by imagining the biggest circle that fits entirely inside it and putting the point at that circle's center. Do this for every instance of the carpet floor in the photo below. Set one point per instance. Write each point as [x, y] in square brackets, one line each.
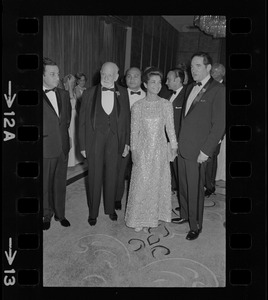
[110, 254]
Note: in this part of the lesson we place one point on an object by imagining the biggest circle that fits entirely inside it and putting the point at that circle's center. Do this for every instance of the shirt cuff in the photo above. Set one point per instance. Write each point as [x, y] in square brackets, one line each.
[204, 154]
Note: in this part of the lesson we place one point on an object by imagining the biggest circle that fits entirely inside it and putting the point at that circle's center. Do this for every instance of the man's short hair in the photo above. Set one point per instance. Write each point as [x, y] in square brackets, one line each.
[47, 62]
[207, 59]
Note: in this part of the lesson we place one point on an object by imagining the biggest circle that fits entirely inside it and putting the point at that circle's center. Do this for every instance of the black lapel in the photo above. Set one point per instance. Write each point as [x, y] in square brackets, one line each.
[116, 97]
[96, 96]
[49, 103]
[187, 93]
[59, 100]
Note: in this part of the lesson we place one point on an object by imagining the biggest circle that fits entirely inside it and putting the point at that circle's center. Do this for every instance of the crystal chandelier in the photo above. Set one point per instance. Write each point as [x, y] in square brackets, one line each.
[212, 25]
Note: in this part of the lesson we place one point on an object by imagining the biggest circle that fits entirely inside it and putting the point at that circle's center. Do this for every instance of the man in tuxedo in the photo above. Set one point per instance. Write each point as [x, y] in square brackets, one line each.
[56, 145]
[135, 93]
[174, 82]
[202, 126]
[104, 135]
[218, 73]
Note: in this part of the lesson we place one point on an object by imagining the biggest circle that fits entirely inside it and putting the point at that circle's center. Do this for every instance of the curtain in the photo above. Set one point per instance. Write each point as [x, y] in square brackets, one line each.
[83, 44]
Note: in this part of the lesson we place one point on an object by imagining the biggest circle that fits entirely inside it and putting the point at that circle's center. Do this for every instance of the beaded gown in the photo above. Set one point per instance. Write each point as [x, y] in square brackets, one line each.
[149, 197]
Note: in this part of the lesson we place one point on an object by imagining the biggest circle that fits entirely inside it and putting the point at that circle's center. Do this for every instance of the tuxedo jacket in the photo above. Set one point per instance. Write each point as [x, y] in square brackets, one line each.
[177, 106]
[55, 128]
[87, 117]
[204, 125]
[177, 109]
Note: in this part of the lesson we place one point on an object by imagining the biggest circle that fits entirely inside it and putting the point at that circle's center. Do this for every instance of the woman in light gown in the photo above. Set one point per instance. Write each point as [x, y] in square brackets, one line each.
[149, 197]
[69, 83]
[80, 87]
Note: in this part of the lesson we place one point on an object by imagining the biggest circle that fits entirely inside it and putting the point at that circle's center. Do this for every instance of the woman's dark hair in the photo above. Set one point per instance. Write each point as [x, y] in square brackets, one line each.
[79, 76]
[149, 72]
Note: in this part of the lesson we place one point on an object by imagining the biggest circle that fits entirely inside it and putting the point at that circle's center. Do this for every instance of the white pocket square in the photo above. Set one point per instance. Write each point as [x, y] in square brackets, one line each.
[178, 107]
[203, 100]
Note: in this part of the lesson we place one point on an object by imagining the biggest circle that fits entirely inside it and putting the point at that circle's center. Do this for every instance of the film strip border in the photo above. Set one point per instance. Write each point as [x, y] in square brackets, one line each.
[22, 163]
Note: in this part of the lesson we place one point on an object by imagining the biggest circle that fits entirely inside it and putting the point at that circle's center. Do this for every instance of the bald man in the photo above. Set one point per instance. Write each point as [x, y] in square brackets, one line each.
[218, 72]
[104, 135]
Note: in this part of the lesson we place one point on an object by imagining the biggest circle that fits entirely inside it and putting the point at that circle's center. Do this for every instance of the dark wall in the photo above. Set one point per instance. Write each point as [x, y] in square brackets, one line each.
[154, 42]
[191, 42]
[83, 43]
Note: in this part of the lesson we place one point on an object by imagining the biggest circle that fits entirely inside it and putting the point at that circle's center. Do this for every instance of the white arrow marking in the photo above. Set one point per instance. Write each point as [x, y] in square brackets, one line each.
[8, 98]
[9, 255]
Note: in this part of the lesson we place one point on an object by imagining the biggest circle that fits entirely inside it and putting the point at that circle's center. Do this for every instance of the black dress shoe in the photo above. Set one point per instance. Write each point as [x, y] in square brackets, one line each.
[65, 223]
[193, 234]
[113, 216]
[92, 222]
[208, 192]
[179, 221]
[46, 225]
[118, 205]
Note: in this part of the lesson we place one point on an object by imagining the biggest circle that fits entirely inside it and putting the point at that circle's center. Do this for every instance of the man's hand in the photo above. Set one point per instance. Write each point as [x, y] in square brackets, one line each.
[83, 152]
[202, 157]
[126, 151]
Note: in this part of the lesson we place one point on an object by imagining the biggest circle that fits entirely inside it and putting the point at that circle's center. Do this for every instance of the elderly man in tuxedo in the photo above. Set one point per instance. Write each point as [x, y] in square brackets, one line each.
[56, 145]
[202, 126]
[104, 133]
[135, 93]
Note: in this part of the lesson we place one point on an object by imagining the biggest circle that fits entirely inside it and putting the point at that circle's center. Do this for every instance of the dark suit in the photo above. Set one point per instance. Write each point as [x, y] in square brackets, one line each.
[177, 109]
[201, 129]
[103, 138]
[55, 154]
[211, 169]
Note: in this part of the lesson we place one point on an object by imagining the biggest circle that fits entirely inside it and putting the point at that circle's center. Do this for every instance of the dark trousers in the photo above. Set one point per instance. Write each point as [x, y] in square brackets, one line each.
[191, 190]
[102, 172]
[124, 165]
[174, 174]
[54, 186]
[211, 170]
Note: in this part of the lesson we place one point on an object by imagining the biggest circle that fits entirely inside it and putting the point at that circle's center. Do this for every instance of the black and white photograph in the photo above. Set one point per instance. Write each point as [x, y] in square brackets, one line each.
[134, 151]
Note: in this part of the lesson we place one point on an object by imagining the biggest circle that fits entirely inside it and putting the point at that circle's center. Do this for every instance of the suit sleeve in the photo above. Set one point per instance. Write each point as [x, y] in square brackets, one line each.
[128, 118]
[82, 121]
[69, 111]
[170, 125]
[217, 121]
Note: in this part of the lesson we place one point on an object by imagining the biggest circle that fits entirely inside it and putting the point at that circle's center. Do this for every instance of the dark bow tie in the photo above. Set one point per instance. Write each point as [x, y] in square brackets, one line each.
[174, 92]
[50, 90]
[107, 89]
[132, 93]
[198, 83]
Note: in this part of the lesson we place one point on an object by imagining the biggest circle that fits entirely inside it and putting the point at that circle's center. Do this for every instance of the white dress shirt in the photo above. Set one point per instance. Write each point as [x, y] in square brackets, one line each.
[107, 101]
[53, 100]
[194, 92]
[174, 95]
[135, 97]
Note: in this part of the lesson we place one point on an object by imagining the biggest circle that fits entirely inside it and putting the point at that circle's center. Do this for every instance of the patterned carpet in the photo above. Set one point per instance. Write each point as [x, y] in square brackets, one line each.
[113, 255]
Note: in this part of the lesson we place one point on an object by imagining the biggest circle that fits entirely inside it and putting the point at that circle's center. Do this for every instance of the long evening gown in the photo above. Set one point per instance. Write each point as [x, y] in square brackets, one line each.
[150, 186]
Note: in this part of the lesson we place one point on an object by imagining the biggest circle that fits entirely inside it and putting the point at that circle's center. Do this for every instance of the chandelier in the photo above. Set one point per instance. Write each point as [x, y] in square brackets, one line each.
[212, 25]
